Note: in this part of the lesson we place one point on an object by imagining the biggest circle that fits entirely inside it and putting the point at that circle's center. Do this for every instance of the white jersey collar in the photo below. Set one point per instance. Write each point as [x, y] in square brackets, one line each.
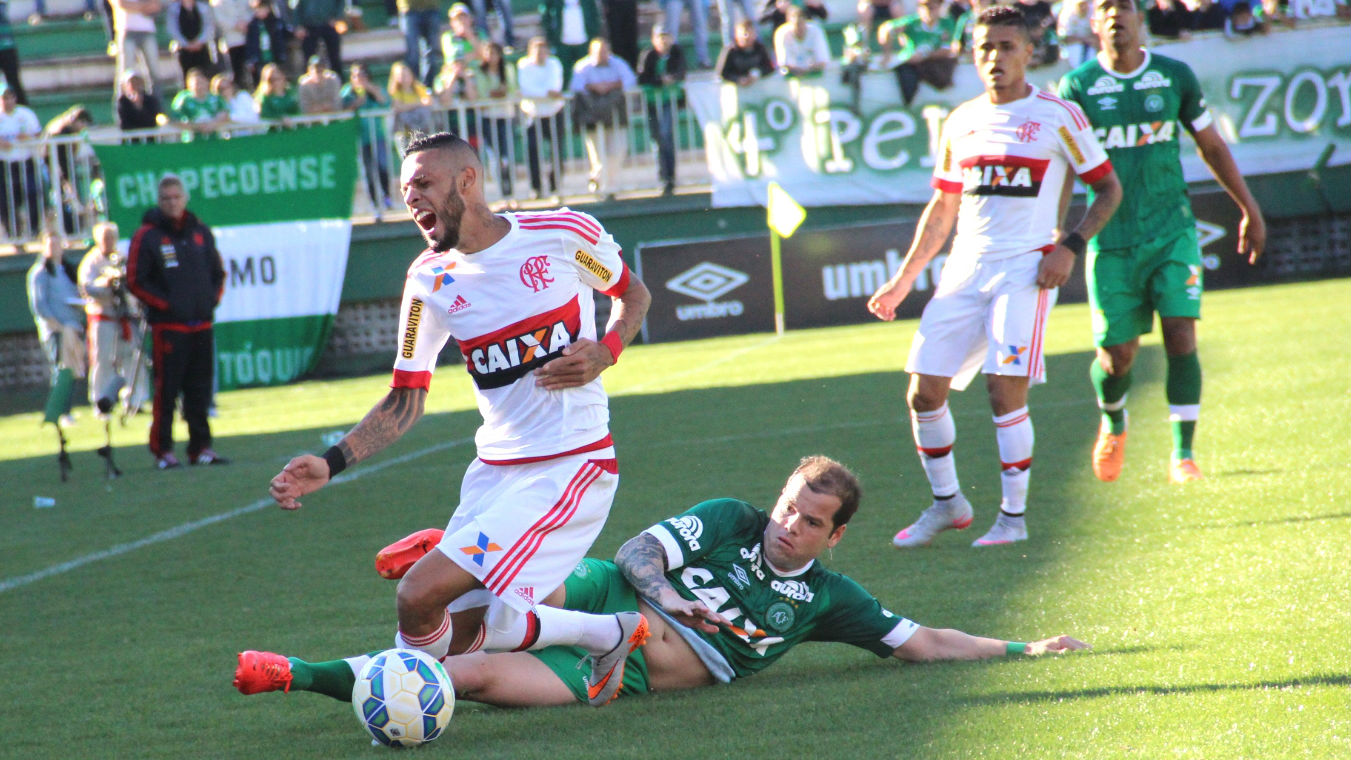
[1106, 66]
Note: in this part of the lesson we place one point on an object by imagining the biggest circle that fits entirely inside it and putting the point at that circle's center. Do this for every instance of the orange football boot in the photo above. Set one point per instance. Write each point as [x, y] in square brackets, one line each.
[258, 672]
[393, 561]
[1109, 454]
[1184, 471]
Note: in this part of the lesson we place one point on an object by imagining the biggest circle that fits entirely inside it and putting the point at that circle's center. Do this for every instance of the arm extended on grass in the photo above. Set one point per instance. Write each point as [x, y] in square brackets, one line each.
[931, 644]
[934, 226]
[642, 560]
[584, 360]
[1252, 230]
[384, 424]
[1057, 265]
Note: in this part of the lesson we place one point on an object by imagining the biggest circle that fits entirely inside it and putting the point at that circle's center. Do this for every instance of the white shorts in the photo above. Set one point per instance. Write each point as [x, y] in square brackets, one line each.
[985, 316]
[521, 528]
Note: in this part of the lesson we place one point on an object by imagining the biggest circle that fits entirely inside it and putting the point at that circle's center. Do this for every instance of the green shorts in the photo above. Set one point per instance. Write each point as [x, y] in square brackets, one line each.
[1127, 285]
[595, 586]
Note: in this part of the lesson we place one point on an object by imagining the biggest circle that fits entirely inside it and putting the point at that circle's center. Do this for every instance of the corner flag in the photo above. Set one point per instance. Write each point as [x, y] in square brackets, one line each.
[784, 213]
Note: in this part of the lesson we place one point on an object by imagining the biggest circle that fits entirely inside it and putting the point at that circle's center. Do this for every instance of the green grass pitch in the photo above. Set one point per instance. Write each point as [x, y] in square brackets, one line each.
[1220, 613]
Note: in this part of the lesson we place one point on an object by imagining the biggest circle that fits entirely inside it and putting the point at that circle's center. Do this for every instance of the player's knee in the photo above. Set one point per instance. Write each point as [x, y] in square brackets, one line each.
[922, 398]
[1179, 336]
[1117, 360]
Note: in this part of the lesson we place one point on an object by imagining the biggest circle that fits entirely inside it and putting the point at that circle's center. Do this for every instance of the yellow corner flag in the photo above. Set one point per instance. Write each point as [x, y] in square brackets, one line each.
[784, 213]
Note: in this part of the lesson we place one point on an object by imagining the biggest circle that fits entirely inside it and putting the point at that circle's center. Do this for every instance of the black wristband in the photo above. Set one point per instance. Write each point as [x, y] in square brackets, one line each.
[1075, 242]
[336, 461]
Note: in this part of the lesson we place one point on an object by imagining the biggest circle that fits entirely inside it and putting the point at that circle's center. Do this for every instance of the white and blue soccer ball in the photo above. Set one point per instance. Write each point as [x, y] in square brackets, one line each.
[403, 698]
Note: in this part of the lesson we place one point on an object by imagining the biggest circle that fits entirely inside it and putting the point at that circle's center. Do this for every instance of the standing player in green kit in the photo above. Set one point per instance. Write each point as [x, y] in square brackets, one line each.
[1147, 258]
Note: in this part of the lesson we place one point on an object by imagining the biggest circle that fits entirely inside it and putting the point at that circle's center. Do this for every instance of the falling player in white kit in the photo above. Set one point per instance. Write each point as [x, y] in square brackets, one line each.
[1003, 177]
[515, 291]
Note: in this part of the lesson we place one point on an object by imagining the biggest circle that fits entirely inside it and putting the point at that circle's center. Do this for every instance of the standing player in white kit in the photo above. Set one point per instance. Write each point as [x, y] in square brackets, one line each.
[515, 290]
[1003, 178]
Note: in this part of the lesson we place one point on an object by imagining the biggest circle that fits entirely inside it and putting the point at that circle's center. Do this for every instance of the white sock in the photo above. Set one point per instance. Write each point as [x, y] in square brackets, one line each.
[507, 630]
[357, 663]
[436, 643]
[935, 434]
[1013, 432]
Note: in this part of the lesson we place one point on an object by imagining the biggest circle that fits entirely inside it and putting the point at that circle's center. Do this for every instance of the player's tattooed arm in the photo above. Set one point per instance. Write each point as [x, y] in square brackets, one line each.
[642, 560]
[384, 424]
[935, 225]
[626, 316]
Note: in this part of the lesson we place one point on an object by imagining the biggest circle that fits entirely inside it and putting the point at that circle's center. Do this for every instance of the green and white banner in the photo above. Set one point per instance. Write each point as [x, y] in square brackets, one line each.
[1279, 99]
[280, 205]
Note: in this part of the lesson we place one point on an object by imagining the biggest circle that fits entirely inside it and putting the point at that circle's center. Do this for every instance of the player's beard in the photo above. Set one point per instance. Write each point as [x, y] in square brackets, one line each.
[449, 215]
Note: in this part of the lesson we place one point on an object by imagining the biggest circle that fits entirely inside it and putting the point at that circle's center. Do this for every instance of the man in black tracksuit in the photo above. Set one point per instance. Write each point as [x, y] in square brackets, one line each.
[173, 267]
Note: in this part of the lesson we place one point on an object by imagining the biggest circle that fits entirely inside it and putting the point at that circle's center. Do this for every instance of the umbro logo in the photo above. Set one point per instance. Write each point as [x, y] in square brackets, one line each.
[459, 304]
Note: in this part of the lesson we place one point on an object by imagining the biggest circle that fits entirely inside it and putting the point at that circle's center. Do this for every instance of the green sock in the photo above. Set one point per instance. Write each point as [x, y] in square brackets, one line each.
[1184, 401]
[1111, 392]
[333, 678]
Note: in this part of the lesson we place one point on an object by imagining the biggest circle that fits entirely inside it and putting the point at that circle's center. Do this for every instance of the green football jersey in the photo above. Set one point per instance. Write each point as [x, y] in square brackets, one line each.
[1137, 118]
[715, 555]
[919, 39]
[189, 109]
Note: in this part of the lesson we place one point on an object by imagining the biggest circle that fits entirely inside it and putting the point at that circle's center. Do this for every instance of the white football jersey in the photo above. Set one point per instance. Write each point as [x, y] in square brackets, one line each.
[511, 308]
[1009, 163]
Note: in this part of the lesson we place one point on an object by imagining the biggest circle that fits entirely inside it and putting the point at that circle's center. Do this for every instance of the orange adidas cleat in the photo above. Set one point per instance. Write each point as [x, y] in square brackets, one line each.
[1109, 454]
[1184, 471]
[258, 672]
[393, 561]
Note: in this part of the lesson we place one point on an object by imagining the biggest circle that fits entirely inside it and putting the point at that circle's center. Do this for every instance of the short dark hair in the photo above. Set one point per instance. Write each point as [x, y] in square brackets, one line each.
[438, 141]
[824, 475]
[1005, 15]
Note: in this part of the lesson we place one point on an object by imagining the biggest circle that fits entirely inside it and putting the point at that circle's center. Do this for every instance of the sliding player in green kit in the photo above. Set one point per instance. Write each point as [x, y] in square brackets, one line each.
[1147, 258]
[727, 590]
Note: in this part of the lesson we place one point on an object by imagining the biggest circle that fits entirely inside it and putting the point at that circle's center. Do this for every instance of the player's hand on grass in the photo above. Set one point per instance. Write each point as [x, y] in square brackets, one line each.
[884, 302]
[1055, 645]
[306, 473]
[692, 613]
[1055, 268]
[580, 363]
[1252, 237]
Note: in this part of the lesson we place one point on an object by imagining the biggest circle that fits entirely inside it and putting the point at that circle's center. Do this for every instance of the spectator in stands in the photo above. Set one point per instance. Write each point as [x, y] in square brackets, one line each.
[800, 45]
[74, 168]
[460, 40]
[240, 106]
[495, 80]
[746, 61]
[316, 21]
[503, 8]
[411, 102]
[661, 73]
[1041, 22]
[1208, 16]
[420, 21]
[1242, 23]
[874, 13]
[966, 22]
[275, 98]
[232, 25]
[57, 309]
[320, 89]
[196, 108]
[136, 108]
[134, 22]
[20, 193]
[1274, 13]
[698, 20]
[454, 87]
[925, 40]
[193, 29]
[730, 13]
[40, 11]
[539, 76]
[267, 39]
[1169, 20]
[1077, 40]
[9, 55]
[569, 26]
[776, 12]
[600, 85]
[362, 95]
[621, 28]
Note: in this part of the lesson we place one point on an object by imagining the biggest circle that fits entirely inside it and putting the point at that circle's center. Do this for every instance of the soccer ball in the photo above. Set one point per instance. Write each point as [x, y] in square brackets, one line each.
[403, 698]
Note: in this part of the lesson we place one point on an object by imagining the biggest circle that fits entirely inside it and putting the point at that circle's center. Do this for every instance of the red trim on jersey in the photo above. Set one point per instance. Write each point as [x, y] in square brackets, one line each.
[1097, 173]
[499, 579]
[578, 231]
[1037, 164]
[1023, 465]
[609, 465]
[405, 379]
[425, 257]
[183, 328]
[583, 220]
[576, 223]
[133, 263]
[1076, 113]
[946, 185]
[569, 314]
[621, 285]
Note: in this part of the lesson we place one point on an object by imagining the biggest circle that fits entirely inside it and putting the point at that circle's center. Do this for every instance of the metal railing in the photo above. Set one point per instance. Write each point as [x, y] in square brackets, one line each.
[56, 183]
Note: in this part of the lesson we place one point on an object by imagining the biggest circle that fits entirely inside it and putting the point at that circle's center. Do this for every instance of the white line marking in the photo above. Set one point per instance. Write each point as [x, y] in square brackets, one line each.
[9, 584]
